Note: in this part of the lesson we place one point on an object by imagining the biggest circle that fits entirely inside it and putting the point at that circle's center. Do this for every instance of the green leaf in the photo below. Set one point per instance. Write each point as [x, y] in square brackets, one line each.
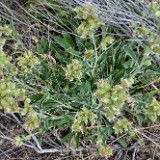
[35, 98]
[54, 48]
[123, 142]
[140, 118]
[77, 138]
[132, 54]
[43, 99]
[39, 48]
[68, 39]
[45, 44]
[152, 68]
[73, 52]
[62, 42]
[67, 138]
[65, 121]
[110, 130]
[90, 138]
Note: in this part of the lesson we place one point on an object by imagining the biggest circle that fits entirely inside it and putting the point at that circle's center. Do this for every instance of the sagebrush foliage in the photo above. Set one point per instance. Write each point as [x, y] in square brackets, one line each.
[87, 86]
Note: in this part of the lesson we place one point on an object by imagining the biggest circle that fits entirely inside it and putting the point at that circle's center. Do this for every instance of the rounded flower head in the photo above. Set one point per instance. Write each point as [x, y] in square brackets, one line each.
[73, 70]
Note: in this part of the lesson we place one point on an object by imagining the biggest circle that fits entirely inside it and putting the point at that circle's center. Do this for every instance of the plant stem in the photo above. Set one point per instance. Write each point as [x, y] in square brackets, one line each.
[96, 54]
